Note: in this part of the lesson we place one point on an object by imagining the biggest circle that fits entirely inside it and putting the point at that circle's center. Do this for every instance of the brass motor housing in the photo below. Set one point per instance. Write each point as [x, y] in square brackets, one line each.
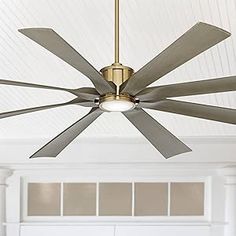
[117, 73]
[112, 97]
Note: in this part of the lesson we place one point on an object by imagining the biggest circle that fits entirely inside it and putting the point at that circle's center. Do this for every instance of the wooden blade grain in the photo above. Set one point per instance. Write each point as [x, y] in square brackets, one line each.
[188, 89]
[85, 93]
[198, 39]
[163, 140]
[76, 101]
[221, 114]
[54, 43]
[61, 141]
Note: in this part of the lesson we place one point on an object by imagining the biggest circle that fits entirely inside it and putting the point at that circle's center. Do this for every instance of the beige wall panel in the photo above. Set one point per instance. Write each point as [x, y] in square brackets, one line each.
[44, 199]
[79, 199]
[151, 199]
[187, 199]
[115, 199]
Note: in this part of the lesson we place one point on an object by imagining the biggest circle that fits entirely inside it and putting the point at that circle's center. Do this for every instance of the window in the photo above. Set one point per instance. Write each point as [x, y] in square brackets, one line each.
[79, 199]
[115, 199]
[151, 199]
[162, 199]
[187, 199]
[44, 199]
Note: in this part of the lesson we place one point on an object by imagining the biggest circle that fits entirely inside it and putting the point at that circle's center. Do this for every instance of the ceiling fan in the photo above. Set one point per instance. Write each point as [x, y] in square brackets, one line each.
[118, 88]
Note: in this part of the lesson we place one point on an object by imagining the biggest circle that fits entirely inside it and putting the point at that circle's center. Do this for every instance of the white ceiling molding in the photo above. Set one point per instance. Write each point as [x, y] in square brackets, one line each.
[120, 150]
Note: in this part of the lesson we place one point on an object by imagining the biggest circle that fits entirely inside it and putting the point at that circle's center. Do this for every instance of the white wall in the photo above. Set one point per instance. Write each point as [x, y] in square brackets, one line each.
[117, 161]
[19, 224]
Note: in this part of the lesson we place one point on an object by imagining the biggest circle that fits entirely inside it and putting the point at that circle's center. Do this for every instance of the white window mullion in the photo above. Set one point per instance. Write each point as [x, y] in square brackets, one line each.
[62, 199]
[97, 199]
[133, 198]
[169, 193]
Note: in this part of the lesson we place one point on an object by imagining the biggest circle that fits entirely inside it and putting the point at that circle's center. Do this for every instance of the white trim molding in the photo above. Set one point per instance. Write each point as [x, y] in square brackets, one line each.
[230, 199]
[4, 174]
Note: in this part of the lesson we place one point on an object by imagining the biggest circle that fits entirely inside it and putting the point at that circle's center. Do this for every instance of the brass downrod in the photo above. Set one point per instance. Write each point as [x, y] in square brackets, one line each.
[117, 32]
[117, 73]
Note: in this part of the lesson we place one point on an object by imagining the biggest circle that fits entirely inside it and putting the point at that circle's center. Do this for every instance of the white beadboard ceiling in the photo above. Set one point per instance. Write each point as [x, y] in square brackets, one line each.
[147, 27]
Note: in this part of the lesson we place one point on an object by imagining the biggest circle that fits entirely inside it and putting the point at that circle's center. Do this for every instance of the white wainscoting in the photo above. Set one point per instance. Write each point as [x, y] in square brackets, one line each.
[71, 230]
[67, 231]
[163, 231]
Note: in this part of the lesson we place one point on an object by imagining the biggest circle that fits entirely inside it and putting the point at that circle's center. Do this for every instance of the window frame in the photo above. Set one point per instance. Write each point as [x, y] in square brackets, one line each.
[204, 218]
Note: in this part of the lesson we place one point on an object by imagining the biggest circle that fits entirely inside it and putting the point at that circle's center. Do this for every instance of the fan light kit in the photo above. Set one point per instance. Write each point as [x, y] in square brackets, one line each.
[119, 88]
[117, 103]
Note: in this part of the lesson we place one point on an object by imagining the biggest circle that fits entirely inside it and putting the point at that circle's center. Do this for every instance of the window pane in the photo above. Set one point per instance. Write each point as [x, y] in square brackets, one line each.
[115, 199]
[151, 199]
[79, 199]
[187, 199]
[44, 199]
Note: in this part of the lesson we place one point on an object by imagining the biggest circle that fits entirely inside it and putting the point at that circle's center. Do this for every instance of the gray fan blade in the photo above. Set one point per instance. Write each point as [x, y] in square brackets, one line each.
[34, 109]
[56, 145]
[225, 115]
[23, 84]
[199, 38]
[164, 141]
[187, 89]
[86, 93]
[54, 43]
[86, 104]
